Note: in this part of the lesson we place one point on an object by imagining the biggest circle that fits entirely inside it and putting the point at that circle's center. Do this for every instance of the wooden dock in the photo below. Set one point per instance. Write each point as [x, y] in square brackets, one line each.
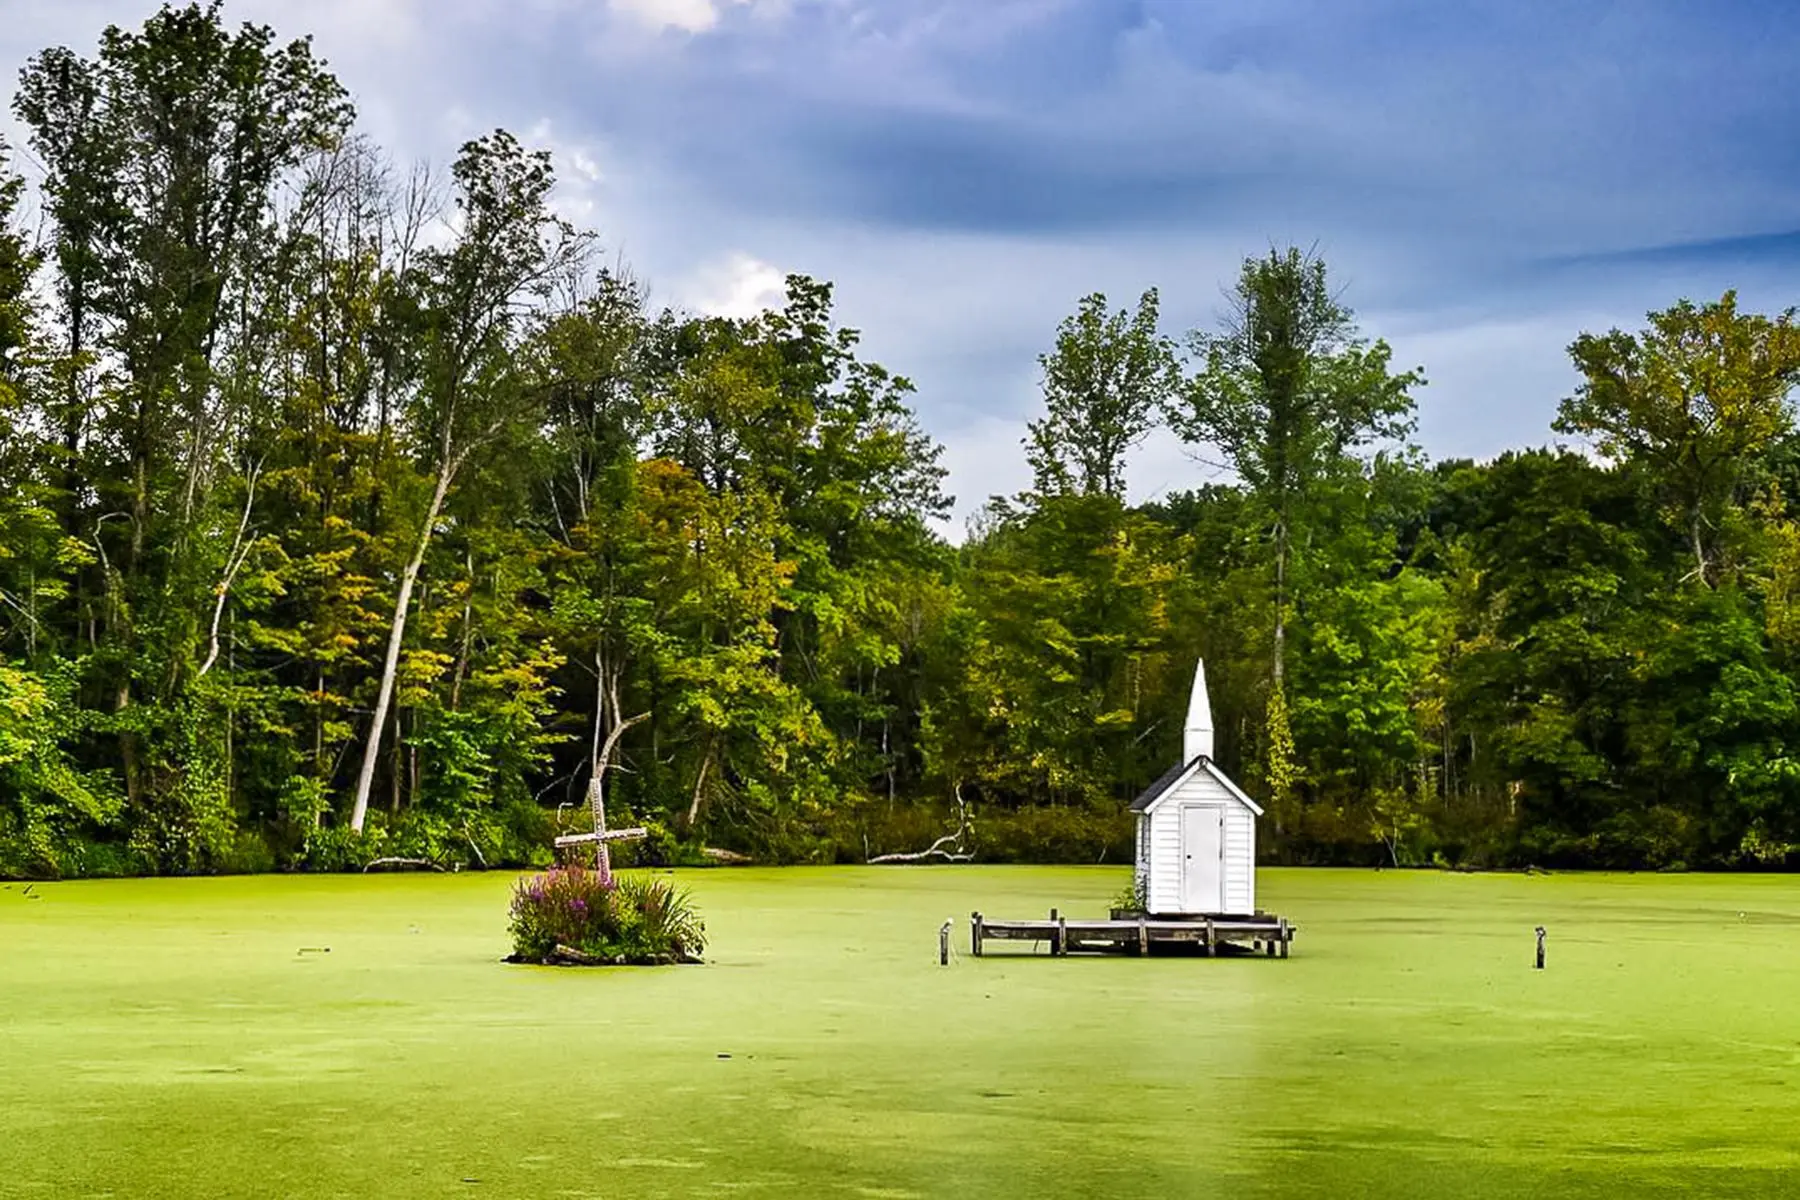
[1258, 933]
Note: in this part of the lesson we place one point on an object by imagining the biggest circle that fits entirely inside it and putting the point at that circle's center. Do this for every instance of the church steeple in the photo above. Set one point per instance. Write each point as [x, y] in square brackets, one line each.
[1197, 734]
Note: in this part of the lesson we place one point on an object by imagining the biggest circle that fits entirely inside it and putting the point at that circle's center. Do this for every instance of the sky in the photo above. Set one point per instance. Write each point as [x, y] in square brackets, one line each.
[1484, 181]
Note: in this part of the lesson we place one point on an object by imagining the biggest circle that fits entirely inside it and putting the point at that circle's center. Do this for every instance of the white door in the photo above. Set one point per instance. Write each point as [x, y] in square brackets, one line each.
[1203, 858]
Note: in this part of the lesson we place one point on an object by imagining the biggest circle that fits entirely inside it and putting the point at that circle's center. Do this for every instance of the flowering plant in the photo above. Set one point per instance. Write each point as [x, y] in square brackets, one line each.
[619, 919]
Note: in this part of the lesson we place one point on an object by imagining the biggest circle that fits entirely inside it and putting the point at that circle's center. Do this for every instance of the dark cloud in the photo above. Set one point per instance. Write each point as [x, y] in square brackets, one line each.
[1759, 252]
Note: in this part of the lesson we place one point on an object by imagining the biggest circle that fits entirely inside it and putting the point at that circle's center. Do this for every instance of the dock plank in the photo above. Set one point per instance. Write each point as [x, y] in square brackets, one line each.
[1265, 932]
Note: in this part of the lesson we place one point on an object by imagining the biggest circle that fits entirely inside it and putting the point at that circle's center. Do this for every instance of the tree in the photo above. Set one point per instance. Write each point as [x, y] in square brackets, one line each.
[1694, 399]
[1285, 391]
[1104, 385]
[163, 156]
[472, 301]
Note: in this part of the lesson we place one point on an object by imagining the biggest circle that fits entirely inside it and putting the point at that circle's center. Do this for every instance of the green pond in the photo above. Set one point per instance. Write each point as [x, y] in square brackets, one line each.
[197, 1038]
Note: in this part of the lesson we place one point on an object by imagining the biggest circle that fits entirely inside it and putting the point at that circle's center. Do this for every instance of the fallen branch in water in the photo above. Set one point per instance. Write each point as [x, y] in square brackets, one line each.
[401, 862]
[936, 849]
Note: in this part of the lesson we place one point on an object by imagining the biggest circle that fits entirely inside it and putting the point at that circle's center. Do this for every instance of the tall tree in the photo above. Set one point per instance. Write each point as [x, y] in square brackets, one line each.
[1285, 391]
[1695, 399]
[1104, 385]
[163, 156]
[474, 299]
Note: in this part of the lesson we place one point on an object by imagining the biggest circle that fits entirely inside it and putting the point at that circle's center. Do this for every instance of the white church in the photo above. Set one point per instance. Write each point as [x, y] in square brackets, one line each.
[1196, 829]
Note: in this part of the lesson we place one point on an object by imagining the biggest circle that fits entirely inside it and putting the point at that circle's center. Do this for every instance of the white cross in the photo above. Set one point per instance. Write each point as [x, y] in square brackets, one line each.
[601, 834]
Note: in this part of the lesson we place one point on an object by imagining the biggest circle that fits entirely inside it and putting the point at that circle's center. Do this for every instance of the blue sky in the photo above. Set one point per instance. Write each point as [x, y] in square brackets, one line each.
[1485, 182]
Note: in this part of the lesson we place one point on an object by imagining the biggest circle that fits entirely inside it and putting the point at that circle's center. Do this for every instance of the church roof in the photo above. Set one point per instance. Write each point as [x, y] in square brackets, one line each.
[1175, 775]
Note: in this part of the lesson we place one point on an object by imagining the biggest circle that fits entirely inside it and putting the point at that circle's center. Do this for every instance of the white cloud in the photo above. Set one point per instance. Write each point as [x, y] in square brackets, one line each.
[1493, 384]
[689, 16]
[739, 287]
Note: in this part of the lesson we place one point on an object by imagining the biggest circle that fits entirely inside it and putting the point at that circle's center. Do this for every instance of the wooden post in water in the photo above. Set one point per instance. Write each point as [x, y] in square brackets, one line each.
[975, 934]
[1055, 945]
[944, 945]
[1062, 936]
[1540, 947]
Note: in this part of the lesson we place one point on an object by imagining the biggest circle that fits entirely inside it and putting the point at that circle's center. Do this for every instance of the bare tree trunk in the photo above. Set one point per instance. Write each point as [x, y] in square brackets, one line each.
[693, 813]
[234, 562]
[390, 666]
[468, 630]
[1698, 543]
[597, 788]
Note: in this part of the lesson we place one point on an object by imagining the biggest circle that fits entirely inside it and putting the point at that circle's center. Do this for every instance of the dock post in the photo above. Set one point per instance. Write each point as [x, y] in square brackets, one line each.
[944, 944]
[1055, 947]
[1210, 949]
[1143, 948]
[1062, 936]
[1287, 935]
[975, 934]
[1540, 948]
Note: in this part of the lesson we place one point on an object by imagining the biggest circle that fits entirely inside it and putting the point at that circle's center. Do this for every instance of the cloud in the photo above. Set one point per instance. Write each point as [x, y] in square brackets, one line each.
[739, 287]
[1484, 184]
[688, 16]
[1780, 250]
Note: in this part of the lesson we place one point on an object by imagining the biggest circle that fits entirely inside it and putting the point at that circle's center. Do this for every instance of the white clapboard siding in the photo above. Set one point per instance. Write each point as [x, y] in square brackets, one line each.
[1164, 851]
[1165, 858]
[1240, 860]
[1140, 871]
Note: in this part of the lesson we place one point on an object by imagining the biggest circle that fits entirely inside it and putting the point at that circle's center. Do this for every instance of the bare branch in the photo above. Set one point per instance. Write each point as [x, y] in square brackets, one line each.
[936, 849]
[234, 562]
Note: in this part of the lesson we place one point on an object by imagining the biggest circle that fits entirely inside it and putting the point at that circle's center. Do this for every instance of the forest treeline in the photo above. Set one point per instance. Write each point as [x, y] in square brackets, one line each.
[350, 512]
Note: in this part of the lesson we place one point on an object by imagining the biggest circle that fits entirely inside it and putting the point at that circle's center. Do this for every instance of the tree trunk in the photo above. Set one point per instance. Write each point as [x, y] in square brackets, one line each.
[234, 562]
[384, 697]
[693, 812]
[1698, 543]
[597, 787]
[1278, 669]
[468, 632]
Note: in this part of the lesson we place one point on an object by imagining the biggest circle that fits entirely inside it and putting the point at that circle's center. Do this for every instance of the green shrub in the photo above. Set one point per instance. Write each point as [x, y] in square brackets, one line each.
[249, 855]
[340, 848]
[661, 847]
[640, 920]
[660, 923]
[1055, 834]
[1132, 897]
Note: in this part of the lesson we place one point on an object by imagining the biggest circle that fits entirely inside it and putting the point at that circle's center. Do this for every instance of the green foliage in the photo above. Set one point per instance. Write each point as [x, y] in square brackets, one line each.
[633, 919]
[1103, 386]
[48, 807]
[1133, 897]
[1699, 398]
[324, 540]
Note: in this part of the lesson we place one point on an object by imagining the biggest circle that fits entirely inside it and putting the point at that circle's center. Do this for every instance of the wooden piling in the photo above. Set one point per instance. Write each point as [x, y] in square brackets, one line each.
[975, 934]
